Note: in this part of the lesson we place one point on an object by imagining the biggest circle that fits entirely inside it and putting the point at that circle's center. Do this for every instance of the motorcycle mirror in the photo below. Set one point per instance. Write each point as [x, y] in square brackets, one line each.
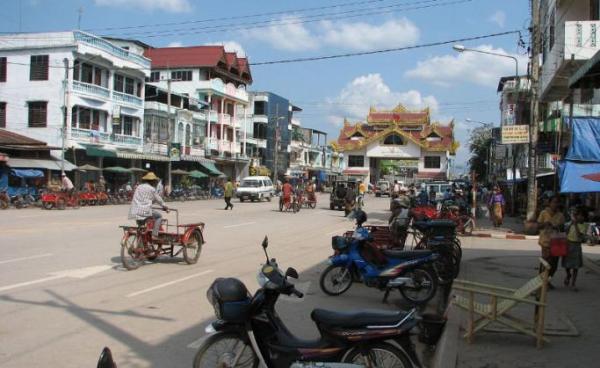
[106, 360]
[291, 272]
[265, 242]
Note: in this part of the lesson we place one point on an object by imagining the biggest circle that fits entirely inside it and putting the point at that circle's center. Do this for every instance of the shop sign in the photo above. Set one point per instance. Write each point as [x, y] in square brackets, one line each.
[175, 153]
[412, 163]
[515, 134]
[500, 152]
[116, 115]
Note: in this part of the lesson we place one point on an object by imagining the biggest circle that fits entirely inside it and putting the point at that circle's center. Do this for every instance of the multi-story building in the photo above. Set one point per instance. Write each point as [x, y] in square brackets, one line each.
[89, 86]
[218, 79]
[417, 148]
[272, 117]
[309, 154]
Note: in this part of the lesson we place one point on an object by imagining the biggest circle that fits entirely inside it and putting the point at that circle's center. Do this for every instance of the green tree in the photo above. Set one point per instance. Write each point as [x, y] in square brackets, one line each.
[480, 143]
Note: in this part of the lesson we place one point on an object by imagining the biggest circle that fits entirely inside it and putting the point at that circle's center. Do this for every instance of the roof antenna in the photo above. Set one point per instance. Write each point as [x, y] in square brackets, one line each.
[80, 11]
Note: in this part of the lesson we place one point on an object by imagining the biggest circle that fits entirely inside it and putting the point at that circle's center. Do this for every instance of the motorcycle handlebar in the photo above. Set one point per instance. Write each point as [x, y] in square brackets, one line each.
[297, 292]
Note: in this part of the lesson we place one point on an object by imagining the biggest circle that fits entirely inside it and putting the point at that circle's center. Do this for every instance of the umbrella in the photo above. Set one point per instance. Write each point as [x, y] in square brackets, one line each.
[138, 169]
[88, 167]
[180, 172]
[117, 169]
[198, 174]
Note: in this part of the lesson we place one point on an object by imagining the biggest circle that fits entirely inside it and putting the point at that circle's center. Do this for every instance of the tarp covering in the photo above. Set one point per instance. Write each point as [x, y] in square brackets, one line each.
[27, 173]
[579, 177]
[197, 174]
[212, 169]
[100, 152]
[27, 163]
[585, 144]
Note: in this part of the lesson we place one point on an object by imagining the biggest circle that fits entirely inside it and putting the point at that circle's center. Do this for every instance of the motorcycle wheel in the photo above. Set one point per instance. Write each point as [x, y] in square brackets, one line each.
[47, 205]
[335, 280]
[445, 269]
[192, 250]
[424, 286]
[132, 252]
[380, 355]
[225, 350]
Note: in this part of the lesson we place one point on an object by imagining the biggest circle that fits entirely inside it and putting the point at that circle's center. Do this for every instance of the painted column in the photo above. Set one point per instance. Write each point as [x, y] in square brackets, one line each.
[234, 121]
[208, 135]
[221, 117]
[245, 128]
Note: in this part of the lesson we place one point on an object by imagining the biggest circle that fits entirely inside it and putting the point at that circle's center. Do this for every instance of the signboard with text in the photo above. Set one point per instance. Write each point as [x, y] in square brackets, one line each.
[515, 134]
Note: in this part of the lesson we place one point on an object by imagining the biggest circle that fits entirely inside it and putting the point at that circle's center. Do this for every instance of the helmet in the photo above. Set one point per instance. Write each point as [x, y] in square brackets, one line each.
[361, 217]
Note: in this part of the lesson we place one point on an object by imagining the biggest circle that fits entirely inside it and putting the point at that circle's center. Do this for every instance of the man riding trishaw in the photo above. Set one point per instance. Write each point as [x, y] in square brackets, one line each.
[310, 192]
[141, 204]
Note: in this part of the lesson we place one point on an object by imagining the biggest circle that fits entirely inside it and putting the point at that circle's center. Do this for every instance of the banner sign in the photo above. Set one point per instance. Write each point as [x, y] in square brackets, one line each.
[515, 134]
[411, 163]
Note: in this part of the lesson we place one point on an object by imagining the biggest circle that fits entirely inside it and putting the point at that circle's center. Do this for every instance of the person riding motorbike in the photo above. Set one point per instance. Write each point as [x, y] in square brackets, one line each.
[141, 205]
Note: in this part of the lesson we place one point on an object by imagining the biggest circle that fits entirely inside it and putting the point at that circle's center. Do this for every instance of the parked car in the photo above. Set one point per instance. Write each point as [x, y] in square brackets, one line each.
[338, 193]
[255, 188]
[439, 187]
[382, 188]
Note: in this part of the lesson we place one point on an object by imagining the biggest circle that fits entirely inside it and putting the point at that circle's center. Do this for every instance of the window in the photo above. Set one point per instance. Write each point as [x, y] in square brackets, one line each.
[594, 10]
[154, 77]
[356, 161]
[87, 73]
[124, 84]
[119, 83]
[432, 162]
[2, 114]
[182, 75]
[37, 114]
[129, 89]
[260, 108]
[2, 69]
[38, 67]
[76, 68]
[393, 140]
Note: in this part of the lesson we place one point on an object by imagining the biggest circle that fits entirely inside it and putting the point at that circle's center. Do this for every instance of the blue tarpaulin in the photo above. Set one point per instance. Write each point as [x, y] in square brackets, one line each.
[585, 143]
[579, 177]
[27, 173]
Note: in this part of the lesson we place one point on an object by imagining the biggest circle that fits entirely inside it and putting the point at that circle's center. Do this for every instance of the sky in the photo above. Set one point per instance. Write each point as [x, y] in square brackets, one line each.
[456, 86]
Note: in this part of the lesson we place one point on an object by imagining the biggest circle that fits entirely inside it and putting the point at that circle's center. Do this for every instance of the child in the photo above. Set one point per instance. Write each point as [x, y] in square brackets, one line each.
[576, 231]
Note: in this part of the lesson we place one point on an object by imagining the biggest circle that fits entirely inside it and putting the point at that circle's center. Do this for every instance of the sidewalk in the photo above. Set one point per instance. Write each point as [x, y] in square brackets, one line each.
[512, 229]
[566, 309]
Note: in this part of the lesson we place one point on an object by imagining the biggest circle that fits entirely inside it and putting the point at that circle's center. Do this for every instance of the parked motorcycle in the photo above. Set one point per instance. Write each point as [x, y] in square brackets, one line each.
[355, 260]
[249, 333]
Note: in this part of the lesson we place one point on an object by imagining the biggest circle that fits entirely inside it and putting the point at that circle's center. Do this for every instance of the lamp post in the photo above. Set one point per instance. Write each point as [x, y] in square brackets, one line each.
[460, 49]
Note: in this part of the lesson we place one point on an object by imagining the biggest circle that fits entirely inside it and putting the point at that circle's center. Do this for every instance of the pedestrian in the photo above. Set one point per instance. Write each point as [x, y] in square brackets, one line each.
[576, 234]
[550, 223]
[101, 187]
[423, 198]
[432, 196]
[160, 188]
[141, 203]
[286, 191]
[227, 194]
[349, 199]
[497, 204]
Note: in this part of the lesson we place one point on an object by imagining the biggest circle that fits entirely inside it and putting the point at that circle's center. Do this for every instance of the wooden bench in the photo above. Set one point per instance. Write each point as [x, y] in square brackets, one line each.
[502, 300]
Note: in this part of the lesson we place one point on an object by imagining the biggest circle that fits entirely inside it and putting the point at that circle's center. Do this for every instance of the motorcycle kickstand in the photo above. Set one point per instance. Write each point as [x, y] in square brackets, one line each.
[385, 296]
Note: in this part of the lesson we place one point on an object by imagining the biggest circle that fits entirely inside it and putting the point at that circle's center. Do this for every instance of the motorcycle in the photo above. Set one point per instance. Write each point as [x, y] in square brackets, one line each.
[249, 333]
[355, 259]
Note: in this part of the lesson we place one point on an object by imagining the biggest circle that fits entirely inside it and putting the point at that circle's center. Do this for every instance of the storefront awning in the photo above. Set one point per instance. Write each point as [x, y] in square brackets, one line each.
[356, 172]
[211, 168]
[194, 158]
[579, 177]
[141, 156]
[27, 163]
[27, 173]
[100, 152]
[197, 174]
[117, 169]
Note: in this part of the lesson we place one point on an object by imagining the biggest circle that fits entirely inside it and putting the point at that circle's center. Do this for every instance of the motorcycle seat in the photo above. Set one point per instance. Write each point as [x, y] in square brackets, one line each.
[426, 225]
[356, 319]
[407, 254]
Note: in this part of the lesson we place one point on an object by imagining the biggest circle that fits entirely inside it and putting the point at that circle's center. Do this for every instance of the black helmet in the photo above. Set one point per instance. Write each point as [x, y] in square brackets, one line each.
[361, 217]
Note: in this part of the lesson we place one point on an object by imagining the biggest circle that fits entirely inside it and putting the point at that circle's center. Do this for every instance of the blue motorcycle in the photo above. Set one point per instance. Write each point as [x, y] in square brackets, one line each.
[355, 260]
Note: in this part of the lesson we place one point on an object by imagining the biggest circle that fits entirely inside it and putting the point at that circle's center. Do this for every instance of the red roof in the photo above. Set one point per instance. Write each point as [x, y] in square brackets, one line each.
[15, 139]
[398, 116]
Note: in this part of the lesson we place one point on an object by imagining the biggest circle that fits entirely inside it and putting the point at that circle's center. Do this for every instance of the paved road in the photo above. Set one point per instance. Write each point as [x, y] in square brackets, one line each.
[64, 294]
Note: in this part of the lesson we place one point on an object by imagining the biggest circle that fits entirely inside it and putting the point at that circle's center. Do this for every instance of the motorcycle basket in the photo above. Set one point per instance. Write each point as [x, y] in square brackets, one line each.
[339, 243]
[230, 299]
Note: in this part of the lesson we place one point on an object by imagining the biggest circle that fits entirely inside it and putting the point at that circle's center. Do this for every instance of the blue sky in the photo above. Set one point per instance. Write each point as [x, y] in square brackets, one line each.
[455, 86]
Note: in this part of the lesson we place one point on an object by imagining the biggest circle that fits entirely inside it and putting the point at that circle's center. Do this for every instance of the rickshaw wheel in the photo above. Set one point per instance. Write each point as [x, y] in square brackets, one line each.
[132, 252]
[60, 204]
[76, 203]
[47, 205]
[312, 204]
[296, 207]
[192, 250]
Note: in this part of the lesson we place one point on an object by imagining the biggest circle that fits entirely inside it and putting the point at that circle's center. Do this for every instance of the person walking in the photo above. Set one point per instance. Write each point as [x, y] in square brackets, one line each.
[227, 194]
[497, 204]
[141, 203]
[576, 234]
[349, 199]
[550, 222]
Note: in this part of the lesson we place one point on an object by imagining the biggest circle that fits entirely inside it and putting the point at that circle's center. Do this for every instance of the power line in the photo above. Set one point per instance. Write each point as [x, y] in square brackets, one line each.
[351, 54]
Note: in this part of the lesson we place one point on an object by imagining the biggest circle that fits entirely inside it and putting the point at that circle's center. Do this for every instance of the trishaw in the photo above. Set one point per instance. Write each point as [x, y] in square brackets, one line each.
[60, 200]
[293, 205]
[88, 198]
[307, 199]
[138, 246]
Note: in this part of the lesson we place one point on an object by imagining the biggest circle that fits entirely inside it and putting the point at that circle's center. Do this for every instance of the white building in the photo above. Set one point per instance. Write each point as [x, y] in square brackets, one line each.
[91, 86]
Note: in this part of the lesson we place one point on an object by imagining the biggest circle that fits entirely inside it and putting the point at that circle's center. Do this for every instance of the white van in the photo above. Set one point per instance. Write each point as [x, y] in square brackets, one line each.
[255, 188]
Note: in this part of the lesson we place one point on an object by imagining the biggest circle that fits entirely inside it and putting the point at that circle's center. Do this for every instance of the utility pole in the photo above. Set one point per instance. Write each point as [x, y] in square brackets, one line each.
[533, 126]
[169, 146]
[276, 148]
[80, 11]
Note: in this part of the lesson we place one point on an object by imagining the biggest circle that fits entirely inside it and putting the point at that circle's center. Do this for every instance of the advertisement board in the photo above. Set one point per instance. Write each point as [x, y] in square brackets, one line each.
[515, 134]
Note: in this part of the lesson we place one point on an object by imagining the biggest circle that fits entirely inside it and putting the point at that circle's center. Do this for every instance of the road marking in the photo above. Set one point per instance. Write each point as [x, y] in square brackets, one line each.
[78, 273]
[236, 225]
[160, 286]
[26, 258]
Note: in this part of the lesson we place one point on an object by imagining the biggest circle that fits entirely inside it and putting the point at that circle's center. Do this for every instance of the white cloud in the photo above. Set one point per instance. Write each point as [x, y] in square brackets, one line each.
[364, 36]
[175, 44]
[231, 46]
[173, 6]
[499, 18]
[355, 99]
[472, 67]
[285, 34]
[289, 34]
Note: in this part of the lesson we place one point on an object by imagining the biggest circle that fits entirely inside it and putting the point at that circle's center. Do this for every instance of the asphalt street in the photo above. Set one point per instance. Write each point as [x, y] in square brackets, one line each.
[64, 294]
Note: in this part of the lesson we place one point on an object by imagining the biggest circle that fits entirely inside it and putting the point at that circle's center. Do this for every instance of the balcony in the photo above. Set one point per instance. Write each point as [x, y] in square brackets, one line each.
[91, 89]
[575, 43]
[156, 148]
[129, 99]
[225, 146]
[216, 86]
[224, 119]
[212, 144]
[90, 136]
[112, 49]
[127, 140]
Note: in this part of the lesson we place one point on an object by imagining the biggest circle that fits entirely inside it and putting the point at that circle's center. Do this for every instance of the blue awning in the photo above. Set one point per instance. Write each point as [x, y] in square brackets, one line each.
[27, 173]
[585, 141]
[579, 177]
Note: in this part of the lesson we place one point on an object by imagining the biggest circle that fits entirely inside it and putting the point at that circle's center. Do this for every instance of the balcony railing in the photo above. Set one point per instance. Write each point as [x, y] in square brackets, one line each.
[91, 136]
[225, 146]
[224, 119]
[130, 99]
[126, 139]
[212, 144]
[111, 48]
[216, 85]
[157, 148]
[214, 116]
[582, 39]
[91, 89]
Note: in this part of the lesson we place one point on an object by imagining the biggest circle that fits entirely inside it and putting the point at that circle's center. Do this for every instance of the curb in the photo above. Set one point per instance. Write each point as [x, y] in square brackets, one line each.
[446, 351]
[505, 236]
[591, 265]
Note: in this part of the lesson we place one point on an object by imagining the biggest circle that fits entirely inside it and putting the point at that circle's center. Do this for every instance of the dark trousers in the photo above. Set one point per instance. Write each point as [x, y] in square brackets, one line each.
[228, 203]
[552, 261]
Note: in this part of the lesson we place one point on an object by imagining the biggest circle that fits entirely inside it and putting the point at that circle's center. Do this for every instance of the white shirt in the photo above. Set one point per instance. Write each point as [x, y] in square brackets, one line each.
[67, 183]
[141, 203]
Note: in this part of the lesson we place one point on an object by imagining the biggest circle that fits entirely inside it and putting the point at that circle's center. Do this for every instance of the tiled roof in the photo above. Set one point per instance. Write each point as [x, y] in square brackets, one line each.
[10, 138]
